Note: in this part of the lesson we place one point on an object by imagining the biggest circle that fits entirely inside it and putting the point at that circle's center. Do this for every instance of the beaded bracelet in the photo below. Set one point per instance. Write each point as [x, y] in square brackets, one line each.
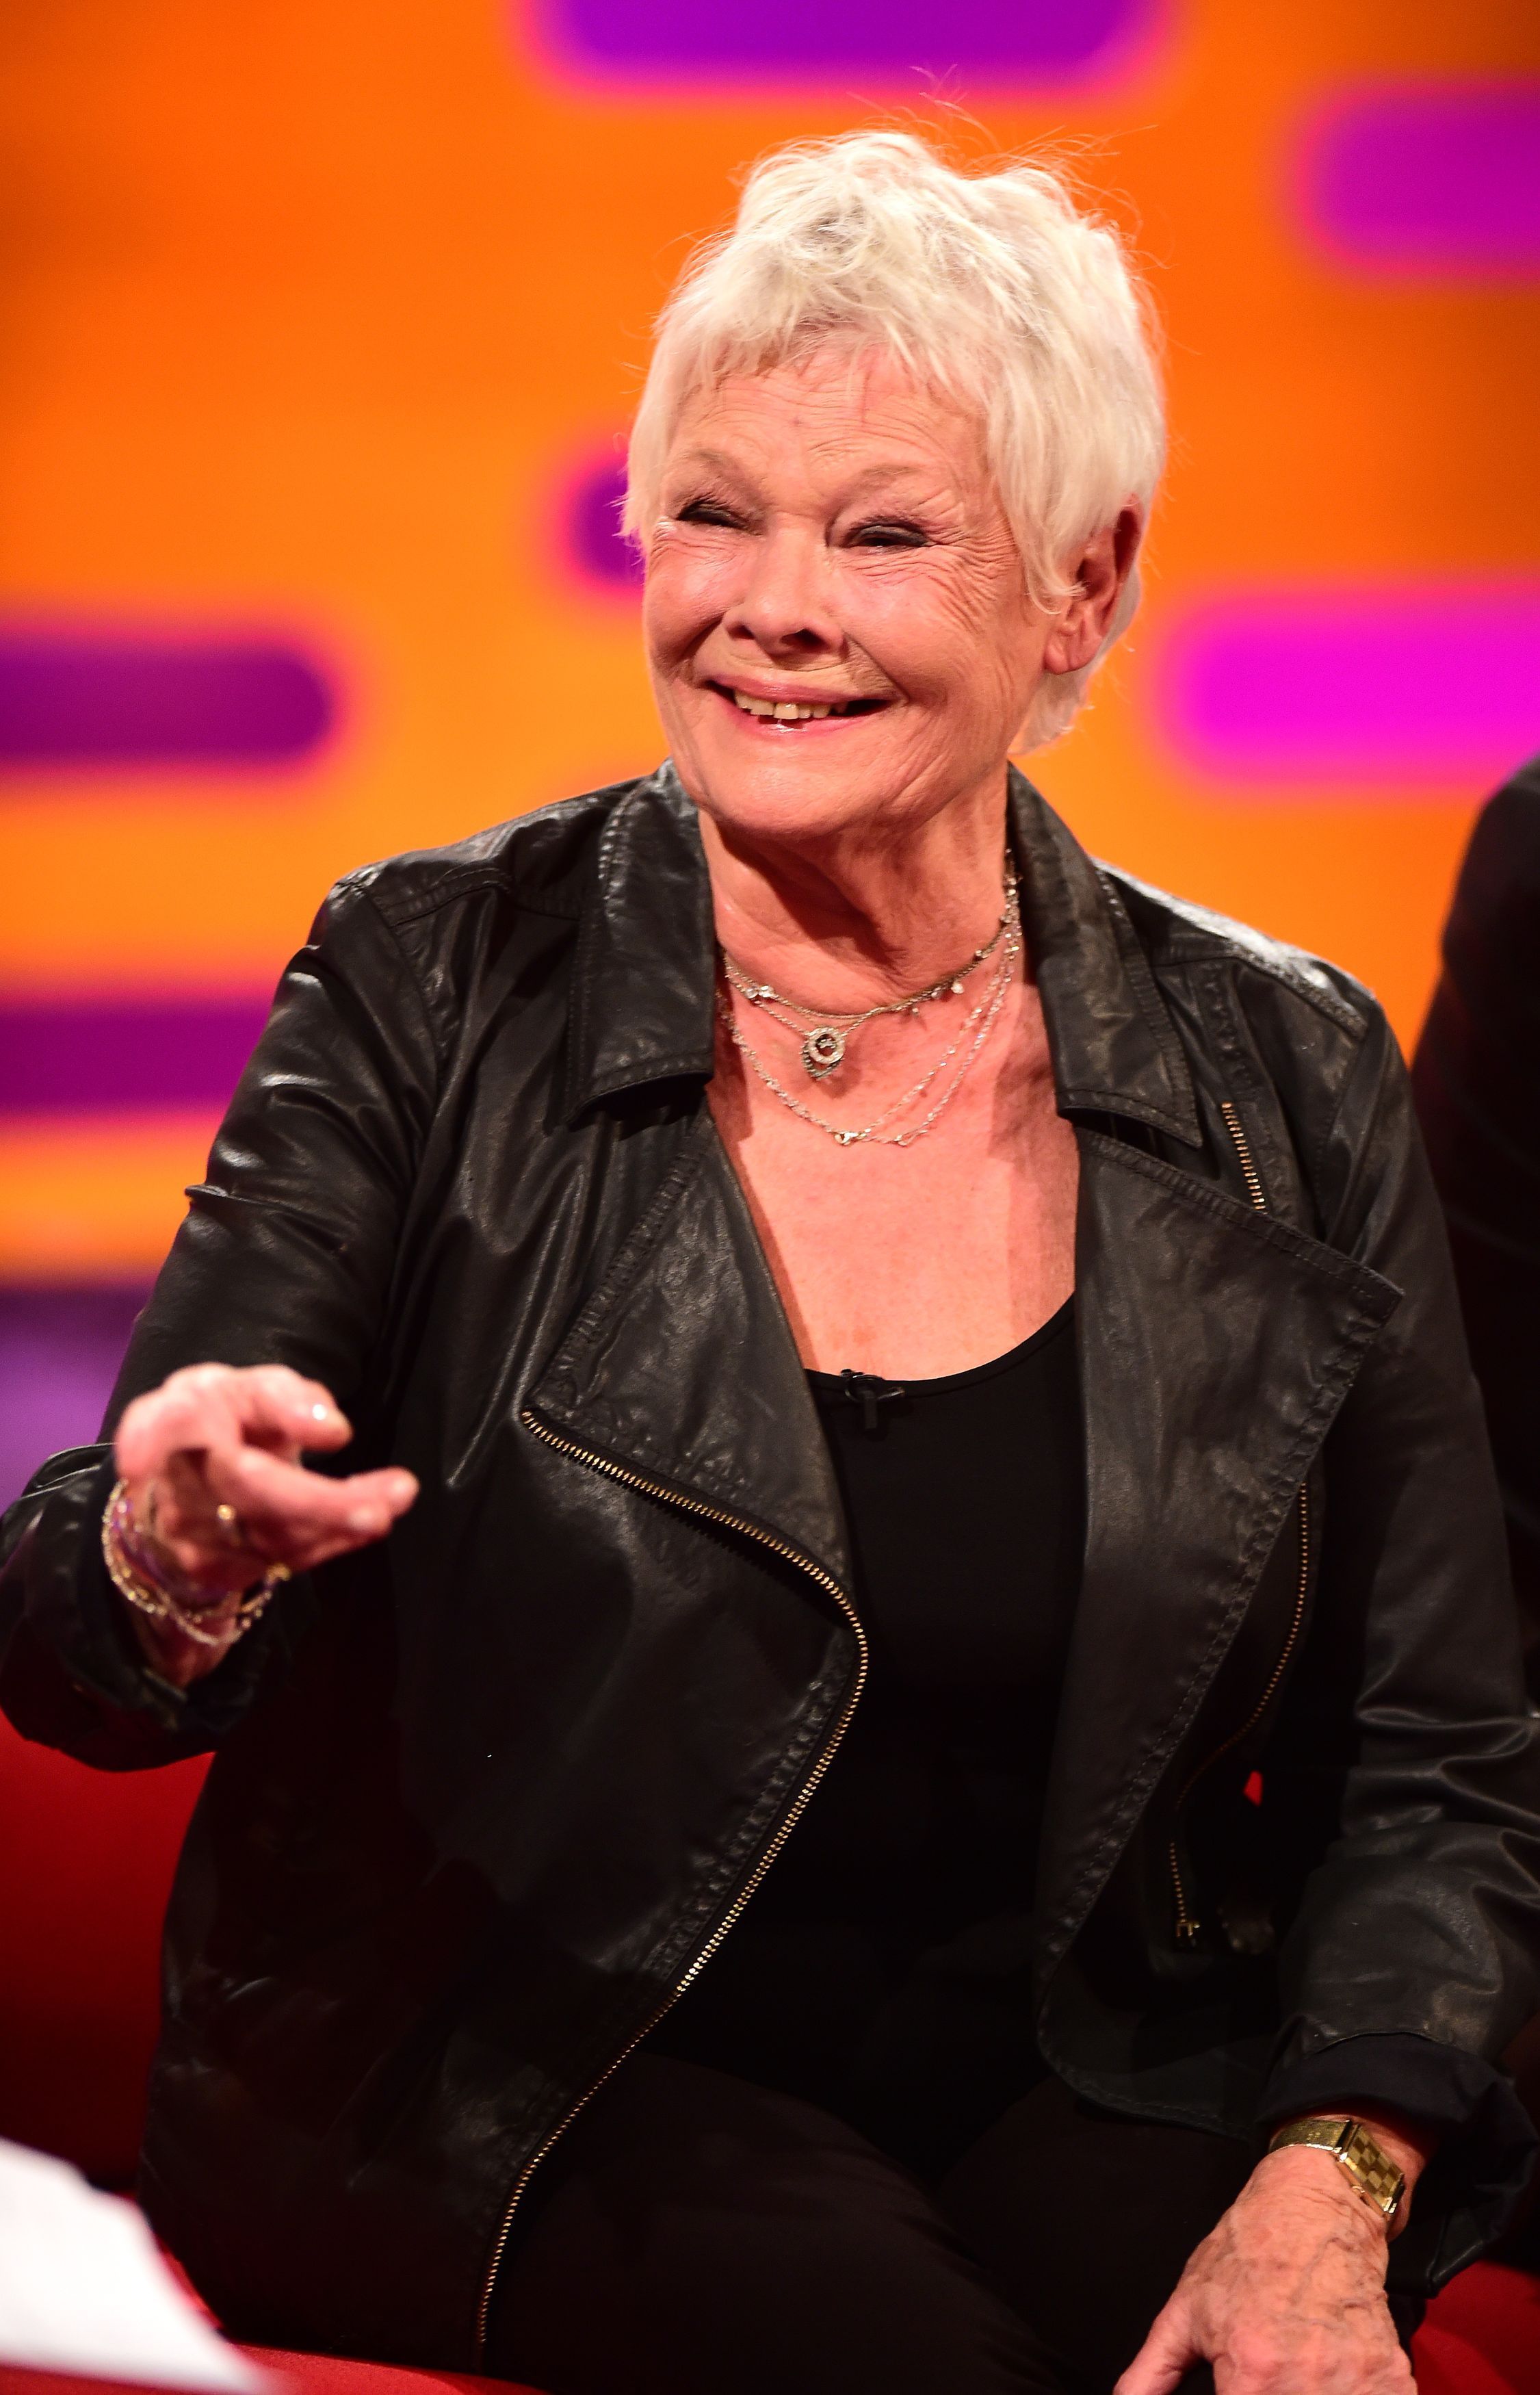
[146, 1579]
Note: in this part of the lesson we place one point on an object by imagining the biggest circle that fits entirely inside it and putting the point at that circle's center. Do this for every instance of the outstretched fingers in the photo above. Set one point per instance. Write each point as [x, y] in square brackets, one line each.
[211, 1465]
[286, 1515]
[215, 1406]
[219, 1448]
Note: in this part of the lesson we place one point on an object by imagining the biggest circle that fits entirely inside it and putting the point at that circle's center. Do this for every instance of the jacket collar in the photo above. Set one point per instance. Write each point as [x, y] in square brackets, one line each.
[1113, 1045]
[644, 998]
[642, 1006]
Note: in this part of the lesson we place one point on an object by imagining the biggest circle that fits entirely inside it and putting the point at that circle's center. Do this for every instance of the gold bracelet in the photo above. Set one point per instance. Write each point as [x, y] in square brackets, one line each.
[132, 1575]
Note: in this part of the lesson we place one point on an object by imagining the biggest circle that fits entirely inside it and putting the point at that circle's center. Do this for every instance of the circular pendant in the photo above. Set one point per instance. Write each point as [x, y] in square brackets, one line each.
[823, 1050]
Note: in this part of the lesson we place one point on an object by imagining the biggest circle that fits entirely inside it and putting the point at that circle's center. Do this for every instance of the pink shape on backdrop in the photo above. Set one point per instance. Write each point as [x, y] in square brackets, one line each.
[1428, 179]
[593, 547]
[807, 44]
[112, 699]
[577, 527]
[121, 1053]
[1413, 686]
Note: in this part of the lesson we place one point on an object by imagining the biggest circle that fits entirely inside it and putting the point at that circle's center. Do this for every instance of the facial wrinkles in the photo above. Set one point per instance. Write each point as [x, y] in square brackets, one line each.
[793, 590]
[791, 461]
[801, 495]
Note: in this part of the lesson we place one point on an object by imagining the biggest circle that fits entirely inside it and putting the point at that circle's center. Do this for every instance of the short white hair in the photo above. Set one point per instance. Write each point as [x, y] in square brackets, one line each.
[994, 288]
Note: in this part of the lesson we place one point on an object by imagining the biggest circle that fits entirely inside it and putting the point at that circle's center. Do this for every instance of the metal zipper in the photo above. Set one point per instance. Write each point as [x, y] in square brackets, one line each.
[1188, 1925]
[1249, 1173]
[696, 1506]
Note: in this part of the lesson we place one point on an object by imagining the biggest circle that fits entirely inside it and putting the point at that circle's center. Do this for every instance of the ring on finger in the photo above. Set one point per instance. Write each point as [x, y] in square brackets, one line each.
[232, 1525]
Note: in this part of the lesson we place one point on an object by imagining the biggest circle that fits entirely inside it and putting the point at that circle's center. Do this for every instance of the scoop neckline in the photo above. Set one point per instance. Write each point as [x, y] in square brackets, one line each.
[832, 1383]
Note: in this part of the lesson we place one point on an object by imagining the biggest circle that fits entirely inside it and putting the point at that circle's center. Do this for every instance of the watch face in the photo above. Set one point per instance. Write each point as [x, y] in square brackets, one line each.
[1369, 2168]
[1372, 2168]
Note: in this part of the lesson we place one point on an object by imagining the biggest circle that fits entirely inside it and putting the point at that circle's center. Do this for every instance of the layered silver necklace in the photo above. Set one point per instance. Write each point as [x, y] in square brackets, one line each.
[825, 1031]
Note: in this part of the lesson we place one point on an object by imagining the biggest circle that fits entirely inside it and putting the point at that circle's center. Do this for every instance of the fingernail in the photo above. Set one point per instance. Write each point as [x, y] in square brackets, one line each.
[323, 1413]
[367, 1519]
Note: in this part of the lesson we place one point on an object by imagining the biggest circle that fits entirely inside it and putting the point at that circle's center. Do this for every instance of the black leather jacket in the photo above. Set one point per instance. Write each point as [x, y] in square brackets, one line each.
[486, 1798]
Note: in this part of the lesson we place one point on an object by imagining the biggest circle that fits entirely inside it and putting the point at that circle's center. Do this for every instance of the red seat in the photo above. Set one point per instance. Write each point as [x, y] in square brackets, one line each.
[86, 1863]
[1481, 2336]
[323, 2374]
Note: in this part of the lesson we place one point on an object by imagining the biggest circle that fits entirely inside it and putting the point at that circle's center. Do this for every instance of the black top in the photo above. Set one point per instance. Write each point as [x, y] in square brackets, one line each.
[880, 1970]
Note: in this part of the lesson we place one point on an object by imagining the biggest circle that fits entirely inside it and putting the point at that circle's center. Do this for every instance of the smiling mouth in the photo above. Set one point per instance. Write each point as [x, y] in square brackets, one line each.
[790, 712]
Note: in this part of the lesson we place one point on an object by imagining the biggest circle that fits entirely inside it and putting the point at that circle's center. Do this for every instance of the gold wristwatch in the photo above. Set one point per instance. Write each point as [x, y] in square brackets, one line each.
[1361, 2156]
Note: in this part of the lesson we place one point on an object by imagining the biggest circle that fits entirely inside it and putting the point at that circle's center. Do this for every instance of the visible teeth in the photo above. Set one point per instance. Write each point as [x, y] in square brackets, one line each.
[783, 711]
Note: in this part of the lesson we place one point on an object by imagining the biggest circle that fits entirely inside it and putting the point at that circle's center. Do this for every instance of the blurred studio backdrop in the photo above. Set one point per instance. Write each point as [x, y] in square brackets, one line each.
[322, 322]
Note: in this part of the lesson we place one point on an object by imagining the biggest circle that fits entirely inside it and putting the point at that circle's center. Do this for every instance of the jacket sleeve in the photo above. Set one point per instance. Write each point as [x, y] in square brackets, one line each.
[1407, 1737]
[286, 1256]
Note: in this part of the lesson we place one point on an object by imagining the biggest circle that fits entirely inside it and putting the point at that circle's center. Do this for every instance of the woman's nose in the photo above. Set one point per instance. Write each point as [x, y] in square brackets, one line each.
[784, 604]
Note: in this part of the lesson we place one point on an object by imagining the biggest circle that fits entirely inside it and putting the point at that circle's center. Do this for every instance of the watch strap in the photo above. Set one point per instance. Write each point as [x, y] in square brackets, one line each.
[1358, 2150]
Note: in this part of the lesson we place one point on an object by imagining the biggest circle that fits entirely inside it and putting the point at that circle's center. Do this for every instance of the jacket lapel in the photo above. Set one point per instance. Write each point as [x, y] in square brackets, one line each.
[1114, 1049]
[1217, 1345]
[641, 1007]
[683, 1372]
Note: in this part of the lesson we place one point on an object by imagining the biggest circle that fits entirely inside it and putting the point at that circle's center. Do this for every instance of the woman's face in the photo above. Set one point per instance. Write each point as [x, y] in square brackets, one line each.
[831, 538]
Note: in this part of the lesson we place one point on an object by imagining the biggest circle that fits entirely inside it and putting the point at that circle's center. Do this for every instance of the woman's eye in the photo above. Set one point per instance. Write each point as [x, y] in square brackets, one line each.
[706, 512]
[887, 533]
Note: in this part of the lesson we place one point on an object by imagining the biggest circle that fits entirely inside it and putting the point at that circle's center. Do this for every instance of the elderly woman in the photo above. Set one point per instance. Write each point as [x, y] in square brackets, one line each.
[931, 1789]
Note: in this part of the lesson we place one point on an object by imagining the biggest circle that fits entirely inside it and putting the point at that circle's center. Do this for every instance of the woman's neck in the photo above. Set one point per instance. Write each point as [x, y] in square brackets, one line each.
[864, 915]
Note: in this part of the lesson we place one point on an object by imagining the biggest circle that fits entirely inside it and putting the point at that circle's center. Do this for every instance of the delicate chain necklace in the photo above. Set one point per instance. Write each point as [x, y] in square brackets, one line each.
[980, 1021]
[829, 1027]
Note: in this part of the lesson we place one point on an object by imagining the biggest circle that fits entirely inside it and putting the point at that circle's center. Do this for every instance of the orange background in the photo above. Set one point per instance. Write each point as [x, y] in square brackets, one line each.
[311, 303]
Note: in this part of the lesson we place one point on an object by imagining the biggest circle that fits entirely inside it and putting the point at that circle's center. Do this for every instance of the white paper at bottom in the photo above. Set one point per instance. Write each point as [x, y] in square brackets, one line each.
[83, 2288]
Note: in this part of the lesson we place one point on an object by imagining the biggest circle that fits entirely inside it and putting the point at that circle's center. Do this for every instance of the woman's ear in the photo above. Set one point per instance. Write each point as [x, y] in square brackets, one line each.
[1086, 619]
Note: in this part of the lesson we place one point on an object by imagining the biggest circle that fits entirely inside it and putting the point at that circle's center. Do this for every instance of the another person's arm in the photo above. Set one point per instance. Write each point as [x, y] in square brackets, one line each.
[1476, 1080]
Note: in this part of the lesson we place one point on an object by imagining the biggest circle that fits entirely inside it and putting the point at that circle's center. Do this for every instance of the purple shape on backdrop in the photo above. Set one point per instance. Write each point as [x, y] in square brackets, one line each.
[79, 1056]
[1398, 686]
[1431, 180]
[60, 1352]
[87, 698]
[595, 545]
[806, 41]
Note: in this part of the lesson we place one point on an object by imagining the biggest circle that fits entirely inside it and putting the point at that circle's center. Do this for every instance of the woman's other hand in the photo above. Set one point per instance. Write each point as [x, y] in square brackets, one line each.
[1287, 2294]
[215, 1437]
